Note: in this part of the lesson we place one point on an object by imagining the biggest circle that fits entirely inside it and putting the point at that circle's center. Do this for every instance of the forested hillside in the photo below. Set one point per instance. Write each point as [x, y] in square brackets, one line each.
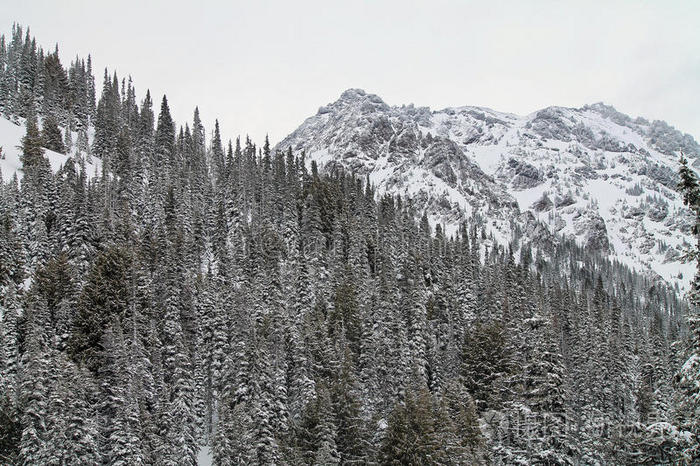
[197, 292]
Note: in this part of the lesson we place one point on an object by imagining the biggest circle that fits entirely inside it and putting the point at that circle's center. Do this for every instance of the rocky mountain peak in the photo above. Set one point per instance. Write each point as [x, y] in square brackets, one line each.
[359, 100]
[592, 174]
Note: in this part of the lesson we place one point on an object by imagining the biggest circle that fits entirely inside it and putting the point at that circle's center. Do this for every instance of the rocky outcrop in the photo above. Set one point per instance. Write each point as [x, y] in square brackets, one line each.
[593, 173]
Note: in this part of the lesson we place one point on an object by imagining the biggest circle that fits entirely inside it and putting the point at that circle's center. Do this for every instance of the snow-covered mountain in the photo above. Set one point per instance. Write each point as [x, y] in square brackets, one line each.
[590, 173]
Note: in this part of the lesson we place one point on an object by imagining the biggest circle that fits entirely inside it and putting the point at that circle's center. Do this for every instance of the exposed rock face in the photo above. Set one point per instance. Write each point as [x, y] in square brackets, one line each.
[522, 175]
[543, 204]
[591, 173]
[591, 226]
[360, 133]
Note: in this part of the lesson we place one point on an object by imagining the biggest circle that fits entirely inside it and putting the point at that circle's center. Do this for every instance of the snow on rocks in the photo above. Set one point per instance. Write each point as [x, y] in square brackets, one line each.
[592, 174]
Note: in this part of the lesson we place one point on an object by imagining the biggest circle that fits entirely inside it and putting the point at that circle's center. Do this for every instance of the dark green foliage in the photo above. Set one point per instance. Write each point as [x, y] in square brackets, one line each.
[345, 316]
[689, 185]
[32, 152]
[460, 411]
[11, 260]
[419, 432]
[54, 282]
[106, 295]
[484, 359]
[51, 136]
[10, 427]
[165, 137]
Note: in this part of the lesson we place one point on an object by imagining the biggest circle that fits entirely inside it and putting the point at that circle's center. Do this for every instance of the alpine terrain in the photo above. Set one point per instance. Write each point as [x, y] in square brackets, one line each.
[592, 174]
[387, 285]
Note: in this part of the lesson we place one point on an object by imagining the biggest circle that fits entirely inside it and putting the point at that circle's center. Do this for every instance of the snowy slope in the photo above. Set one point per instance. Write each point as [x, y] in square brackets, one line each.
[11, 140]
[598, 176]
[390, 145]
[205, 456]
[592, 174]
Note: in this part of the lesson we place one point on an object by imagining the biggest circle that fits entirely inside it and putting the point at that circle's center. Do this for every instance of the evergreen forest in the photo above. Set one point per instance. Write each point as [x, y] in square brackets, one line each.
[205, 292]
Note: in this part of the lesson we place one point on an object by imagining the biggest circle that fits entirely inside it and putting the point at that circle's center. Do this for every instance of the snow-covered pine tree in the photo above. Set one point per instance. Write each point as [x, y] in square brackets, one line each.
[689, 374]
[51, 136]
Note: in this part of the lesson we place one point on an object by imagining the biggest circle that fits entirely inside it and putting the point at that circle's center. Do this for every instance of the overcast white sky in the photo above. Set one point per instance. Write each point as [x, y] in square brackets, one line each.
[264, 66]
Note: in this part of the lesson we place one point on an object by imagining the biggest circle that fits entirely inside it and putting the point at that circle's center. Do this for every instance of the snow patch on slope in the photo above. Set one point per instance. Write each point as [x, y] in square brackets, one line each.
[205, 457]
[11, 141]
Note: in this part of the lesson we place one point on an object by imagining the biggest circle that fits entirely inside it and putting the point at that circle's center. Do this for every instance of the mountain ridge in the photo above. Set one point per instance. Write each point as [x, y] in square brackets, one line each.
[590, 173]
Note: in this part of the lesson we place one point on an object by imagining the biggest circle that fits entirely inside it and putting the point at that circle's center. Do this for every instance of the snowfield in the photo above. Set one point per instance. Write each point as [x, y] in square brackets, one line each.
[11, 135]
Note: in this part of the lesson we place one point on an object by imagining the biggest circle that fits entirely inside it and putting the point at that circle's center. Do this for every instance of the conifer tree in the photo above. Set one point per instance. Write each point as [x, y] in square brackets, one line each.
[484, 359]
[34, 387]
[689, 375]
[412, 436]
[104, 296]
[10, 427]
[78, 426]
[51, 136]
